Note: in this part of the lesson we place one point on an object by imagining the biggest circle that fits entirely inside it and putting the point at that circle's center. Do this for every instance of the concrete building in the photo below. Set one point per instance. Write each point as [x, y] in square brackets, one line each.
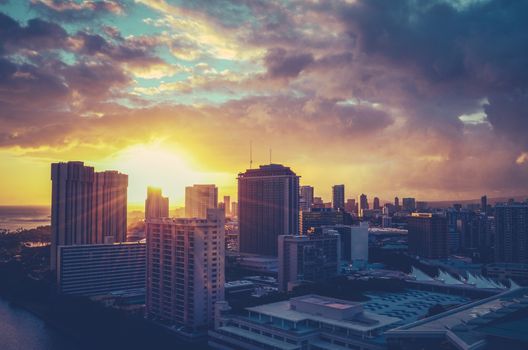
[308, 258]
[156, 206]
[199, 198]
[96, 269]
[350, 206]
[409, 204]
[318, 217]
[376, 204]
[427, 235]
[338, 197]
[362, 203]
[185, 270]
[227, 206]
[305, 322]
[86, 207]
[268, 204]
[353, 240]
[397, 203]
[421, 206]
[511, 233]
[306, 198]
[234, 209]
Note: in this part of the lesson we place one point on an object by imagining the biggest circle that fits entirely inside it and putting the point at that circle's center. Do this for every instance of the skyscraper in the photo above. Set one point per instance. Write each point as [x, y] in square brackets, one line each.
[307, 197]
[338, 197]
[199, 198]
[234, 209]
[227, 205]
[156, 206]
[308, 258]
[86, 207]
[350, 206]
[409, 204]
[511, 232]
[483, 204]
[185, 269]
[362, 203]
[268, 206]
[376, 204]
[427, 235]
[397, 203]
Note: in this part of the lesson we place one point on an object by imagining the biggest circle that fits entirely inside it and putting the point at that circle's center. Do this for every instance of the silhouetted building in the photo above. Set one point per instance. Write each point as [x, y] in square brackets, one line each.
[96, 269]
[156, 206]
[307, 198]
[362, 203]
[511, 233]
[323, 217]
[397, 203]
[484, 204]
[308, 258]
[185, 269]
[427, 235]
[227, 205]
[350, 206]
[268, 204]
[409, 204]
[234, 209]
[421, 206]
[338, 197]
[318, 203]
[86, 207]
[376, 203]
[199, 198]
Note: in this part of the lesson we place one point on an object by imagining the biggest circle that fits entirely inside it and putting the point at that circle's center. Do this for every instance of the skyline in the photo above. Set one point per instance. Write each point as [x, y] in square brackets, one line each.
[369, 94]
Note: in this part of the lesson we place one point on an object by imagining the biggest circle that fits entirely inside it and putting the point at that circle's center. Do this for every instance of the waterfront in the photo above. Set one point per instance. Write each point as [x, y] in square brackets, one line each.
[21, 330]
[23, 217]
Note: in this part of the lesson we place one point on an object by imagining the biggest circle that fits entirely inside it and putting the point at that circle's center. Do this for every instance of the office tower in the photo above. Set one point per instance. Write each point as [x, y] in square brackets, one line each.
[427, 237]
[353, 240]
[234, 209]
[511, 232]
[350, 206]
[376, 204]
[95, 269]
[318, 217]
[409, 204]
[156, 206]
[227, 205]
[268, 205]
[199, 198]
[421, 206]
[318, 203]
[484, 204]
[307, 197]
[397, 203]
[338, 197]
[362, 203]
[185, 269]
[307, 258]
[87, 207]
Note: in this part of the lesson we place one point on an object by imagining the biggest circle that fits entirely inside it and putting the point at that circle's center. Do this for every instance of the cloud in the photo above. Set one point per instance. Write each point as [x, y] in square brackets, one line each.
[70, 10]
[282, 64]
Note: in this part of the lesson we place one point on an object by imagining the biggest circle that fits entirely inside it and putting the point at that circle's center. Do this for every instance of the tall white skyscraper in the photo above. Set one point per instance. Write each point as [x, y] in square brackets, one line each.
[185, 269]
[199, 198]
[86, 207]
[156, 206]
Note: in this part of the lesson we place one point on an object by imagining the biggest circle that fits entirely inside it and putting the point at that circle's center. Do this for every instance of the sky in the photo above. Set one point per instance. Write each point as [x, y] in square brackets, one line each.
[425, 99]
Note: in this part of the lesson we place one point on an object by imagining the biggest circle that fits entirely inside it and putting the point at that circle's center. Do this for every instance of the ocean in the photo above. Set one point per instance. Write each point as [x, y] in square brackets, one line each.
[24, 217]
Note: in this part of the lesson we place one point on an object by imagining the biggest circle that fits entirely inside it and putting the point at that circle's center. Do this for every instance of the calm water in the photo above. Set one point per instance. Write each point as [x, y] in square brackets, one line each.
[25, 217]
[21, 330]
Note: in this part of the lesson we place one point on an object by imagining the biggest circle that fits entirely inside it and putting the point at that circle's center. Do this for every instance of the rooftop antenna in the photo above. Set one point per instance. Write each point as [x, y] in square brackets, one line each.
[250, 154]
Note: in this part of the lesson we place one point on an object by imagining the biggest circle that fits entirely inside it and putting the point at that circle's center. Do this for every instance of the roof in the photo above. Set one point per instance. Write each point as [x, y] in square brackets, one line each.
[268, 170]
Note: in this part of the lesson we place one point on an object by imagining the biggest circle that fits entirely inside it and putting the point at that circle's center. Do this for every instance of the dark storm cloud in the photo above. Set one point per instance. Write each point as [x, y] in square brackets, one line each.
[36, 35]
[282, 64]
[70, 10]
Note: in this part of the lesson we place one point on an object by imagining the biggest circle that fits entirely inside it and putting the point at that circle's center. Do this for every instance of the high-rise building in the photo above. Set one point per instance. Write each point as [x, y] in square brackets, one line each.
[86, 207]
[268, 205]
[409, 204]
[350, 206]
[397, 203]
[95, 269]
[353, 240]
[308, 258]
[362, 203]
[199, 198]
[338, 197]
[511, 232]
[227, 205]
[483, 204]
[234, 209]
[318, 203]
[376, 204]
[427, 235]
[185, 269]
[318, 217]
[421, 206]
[307, 198]
[156, 206]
